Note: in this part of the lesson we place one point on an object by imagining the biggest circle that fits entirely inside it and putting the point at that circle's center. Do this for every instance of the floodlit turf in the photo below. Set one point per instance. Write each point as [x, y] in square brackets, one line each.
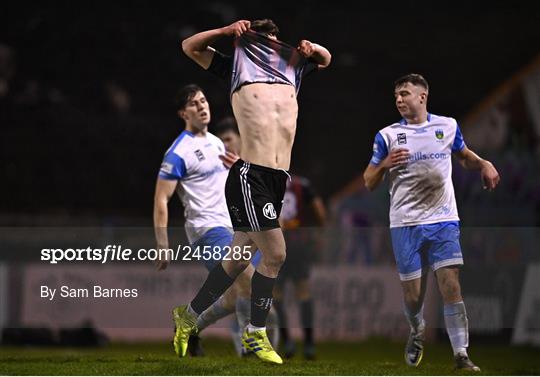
[374, 357]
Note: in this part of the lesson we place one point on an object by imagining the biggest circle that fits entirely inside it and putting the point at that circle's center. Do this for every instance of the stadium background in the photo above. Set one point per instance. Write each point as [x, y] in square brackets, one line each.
[86, 112]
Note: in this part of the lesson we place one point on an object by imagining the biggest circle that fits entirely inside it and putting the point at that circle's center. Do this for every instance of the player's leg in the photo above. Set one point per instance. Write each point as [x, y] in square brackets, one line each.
[272, 247]
[299, 259]
[278, 305]
[303, 297]
[222, 276]
[243, 305]
[218, 281]
[414, 291]
[413, 307]
[455, 316]
[255, 199]
[407, 243]
[218, 239]
[445, 259]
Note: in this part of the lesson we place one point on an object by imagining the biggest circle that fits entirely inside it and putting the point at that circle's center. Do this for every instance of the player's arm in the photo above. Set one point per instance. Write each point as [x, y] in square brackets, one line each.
[381, 161]
[471, 161]
[164, 190]
[197, 47]
[316, 52]
[319, 210]
[374, 173]
[229, 158]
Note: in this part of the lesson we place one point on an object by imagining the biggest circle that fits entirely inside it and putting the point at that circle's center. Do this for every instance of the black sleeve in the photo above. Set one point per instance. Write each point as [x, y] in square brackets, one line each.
[221, 65]
[311, 66]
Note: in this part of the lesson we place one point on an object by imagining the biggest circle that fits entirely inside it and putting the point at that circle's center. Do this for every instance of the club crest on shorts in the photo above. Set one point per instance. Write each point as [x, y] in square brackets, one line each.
[269, 211]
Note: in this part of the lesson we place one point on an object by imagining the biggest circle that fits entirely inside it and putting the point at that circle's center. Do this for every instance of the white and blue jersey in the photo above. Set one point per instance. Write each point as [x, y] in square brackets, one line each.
[421, 191]
[194, 162]
[424, 219]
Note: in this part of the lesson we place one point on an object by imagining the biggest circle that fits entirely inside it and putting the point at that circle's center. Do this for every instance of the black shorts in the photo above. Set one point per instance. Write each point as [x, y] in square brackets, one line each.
[254, 196]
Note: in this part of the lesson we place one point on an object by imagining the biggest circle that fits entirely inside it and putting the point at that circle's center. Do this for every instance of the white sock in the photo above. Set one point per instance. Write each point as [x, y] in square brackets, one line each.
[251, 328]
[243, 311]
[273, 327]
[236, 336]
[213, 314]
[457, 326]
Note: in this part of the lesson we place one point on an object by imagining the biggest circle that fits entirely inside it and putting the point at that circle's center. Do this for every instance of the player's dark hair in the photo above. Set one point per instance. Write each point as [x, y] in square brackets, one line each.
[185, 94]
[266, 26]
[226, 124]
[413, 78]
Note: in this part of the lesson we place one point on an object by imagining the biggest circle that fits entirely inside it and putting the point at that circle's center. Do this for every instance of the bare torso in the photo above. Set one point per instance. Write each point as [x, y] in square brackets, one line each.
[266, 116]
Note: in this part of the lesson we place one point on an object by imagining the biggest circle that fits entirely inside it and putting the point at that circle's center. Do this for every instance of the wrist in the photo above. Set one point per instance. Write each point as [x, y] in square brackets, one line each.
[484, 164]
[224, 31]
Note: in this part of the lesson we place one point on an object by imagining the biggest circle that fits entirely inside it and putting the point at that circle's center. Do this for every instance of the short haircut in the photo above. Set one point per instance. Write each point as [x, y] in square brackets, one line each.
[266, 26]
[226, 124]
[185, 94]
[413, 78]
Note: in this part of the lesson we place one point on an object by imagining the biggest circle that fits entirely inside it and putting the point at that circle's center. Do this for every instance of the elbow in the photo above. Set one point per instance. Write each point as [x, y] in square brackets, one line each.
[368, 184]
[185, 47]
[370, 187]
[325, 61]
[328, 60]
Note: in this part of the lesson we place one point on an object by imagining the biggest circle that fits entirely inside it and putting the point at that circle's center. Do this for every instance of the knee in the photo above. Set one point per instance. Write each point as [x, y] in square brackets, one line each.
[277, 258]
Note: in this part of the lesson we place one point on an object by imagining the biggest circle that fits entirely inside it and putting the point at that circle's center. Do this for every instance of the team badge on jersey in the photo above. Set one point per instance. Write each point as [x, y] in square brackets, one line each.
[439, 134]
[269, 211]
[199, 154]
[167, 167]
[402, 138]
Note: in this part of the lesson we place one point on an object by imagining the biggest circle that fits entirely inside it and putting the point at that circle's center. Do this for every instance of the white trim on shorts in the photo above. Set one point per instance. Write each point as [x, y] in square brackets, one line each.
[447, 262]
[248, 202]
[412, 275]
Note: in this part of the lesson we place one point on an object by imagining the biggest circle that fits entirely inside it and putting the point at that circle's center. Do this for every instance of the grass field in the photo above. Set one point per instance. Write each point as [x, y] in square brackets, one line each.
[374, 357]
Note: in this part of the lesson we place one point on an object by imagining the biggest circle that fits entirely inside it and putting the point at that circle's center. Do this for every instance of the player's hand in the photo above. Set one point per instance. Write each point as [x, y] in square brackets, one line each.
[228, 159]
[237, 28]
[490, 176]
[397, 157]
[163, 258]
[306, 48]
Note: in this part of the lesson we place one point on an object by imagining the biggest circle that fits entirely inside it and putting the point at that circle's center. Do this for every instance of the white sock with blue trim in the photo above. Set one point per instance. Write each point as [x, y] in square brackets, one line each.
[457, 326]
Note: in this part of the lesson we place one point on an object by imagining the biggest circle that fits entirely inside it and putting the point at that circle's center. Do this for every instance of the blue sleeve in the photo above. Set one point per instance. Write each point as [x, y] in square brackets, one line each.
[380, 150]
[459, 143]
[173, 167]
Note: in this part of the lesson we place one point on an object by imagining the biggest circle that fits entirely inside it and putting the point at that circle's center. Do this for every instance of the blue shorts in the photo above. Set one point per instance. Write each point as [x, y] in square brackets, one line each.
[220, 237]
[421, 246]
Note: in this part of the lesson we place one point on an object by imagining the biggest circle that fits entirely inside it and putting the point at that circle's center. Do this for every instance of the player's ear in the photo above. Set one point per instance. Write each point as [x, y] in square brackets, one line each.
[180, 114]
